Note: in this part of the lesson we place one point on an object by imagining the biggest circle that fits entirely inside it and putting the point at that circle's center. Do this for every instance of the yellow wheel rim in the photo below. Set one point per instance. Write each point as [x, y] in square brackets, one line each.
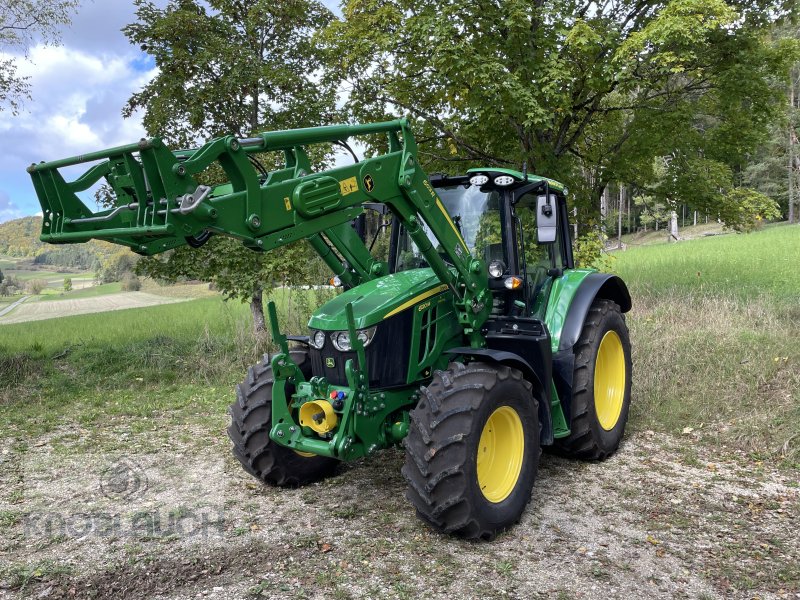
[500, 453]
[609, 380]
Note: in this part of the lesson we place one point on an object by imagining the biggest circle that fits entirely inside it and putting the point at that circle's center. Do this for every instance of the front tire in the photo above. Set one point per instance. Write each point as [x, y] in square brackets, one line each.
[251, 421]
[472, 451]
[601, 383]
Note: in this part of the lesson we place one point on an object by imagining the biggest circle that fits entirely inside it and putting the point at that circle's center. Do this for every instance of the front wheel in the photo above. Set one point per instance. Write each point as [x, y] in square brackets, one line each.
[251, 421]
[472, 450]
[601, 385]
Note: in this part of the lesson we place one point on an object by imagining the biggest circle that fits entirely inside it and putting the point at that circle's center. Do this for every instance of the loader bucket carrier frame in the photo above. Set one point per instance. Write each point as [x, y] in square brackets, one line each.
[474, 366]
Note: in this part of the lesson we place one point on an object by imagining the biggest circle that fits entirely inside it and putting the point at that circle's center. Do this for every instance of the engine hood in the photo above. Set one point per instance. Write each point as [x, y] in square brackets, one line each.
[378, 299]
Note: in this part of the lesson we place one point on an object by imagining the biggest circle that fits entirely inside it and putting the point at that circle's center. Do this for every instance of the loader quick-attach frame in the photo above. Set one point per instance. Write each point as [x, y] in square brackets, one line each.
[160, 203]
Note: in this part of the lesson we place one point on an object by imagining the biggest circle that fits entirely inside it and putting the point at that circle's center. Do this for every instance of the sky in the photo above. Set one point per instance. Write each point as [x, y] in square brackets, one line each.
[78, 90]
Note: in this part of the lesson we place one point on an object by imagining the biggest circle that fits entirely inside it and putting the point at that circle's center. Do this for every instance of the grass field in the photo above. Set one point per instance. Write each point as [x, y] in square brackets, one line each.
[715, 326]
[66, 368]
[742, 266]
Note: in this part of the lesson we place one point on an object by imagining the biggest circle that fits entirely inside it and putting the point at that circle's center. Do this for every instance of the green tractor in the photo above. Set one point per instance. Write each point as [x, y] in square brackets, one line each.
[475, 345]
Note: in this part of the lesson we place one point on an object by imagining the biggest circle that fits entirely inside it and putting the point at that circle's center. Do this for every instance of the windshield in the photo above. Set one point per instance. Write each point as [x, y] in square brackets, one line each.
[476, 215]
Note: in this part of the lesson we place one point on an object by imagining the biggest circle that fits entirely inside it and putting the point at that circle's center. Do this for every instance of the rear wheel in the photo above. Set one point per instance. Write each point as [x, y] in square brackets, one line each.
[472, 450]
[601, 382]
[251, 421]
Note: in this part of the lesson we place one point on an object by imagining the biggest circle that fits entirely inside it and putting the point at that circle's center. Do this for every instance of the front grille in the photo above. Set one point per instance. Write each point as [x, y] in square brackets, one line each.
[387, 355]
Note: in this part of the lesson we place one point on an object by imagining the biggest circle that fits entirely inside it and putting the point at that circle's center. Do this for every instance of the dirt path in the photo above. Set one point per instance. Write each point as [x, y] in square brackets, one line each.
[663, 518]
[36, 311]
[12, 306]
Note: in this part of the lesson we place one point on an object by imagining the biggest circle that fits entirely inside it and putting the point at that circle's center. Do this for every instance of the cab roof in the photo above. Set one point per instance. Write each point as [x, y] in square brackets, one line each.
[557, 186]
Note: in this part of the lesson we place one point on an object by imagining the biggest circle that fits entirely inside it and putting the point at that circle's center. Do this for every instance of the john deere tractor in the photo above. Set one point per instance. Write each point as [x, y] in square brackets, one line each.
[475, 345]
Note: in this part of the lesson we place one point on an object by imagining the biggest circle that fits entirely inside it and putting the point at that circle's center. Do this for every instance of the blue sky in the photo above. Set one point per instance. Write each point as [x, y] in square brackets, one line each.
[78, 90]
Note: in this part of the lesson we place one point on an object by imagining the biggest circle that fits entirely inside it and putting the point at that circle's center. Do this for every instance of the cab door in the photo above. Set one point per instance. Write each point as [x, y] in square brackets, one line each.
[540, 263]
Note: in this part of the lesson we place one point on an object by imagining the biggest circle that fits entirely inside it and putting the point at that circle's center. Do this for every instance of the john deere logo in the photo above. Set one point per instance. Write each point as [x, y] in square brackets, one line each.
[369, 183]
[329, 362]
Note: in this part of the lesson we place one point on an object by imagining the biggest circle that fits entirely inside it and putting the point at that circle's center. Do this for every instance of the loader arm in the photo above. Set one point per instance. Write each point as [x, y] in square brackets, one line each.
[159, 204]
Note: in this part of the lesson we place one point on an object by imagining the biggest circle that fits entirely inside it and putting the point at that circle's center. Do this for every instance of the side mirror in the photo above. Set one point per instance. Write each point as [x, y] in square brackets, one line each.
[546, 221]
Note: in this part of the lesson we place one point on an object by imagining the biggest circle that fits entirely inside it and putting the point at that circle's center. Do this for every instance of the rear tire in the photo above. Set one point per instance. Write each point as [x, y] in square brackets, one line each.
[601, 392]
[472, 451]
[251, 421]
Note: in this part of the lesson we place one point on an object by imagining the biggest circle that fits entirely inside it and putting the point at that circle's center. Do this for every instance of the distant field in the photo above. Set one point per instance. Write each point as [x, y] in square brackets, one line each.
[23, 270]
[36, 311]
[690, 232]
[744, 266]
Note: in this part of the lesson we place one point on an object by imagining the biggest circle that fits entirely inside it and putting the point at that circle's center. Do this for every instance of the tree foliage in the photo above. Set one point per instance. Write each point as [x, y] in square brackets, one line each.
[231, 67]
[582, 92]
[22, 22]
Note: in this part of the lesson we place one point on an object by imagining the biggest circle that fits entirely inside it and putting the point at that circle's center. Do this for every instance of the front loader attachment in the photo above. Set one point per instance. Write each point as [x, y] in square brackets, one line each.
[158, 201]
[155, 201]
[155, 204]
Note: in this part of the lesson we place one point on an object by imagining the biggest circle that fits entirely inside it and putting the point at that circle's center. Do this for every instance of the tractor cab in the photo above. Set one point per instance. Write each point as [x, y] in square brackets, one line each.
[517, 224]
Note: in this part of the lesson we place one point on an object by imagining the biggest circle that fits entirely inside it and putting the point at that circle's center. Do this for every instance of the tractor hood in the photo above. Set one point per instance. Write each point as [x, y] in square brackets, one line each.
[378, 299]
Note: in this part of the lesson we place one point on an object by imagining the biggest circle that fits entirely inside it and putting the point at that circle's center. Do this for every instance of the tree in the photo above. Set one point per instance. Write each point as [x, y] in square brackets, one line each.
[21, 23]
[35, 286]
[774, 168]
[236, 67]
[1, 276]
[585, 92]
[114, 266]
[67, 284]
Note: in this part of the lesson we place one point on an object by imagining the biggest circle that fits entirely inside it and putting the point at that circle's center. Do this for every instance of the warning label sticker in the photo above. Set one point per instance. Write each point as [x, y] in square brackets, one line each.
[348, 186]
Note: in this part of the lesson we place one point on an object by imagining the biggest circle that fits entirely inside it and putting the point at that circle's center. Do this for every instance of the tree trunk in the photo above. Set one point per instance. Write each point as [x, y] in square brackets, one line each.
[791, 147]
[257, 310]
[619, 215]
[628, 196]
[575, 224]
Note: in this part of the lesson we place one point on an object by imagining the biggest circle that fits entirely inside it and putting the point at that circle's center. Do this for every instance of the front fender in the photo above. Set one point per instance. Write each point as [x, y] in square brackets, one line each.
[540, 392]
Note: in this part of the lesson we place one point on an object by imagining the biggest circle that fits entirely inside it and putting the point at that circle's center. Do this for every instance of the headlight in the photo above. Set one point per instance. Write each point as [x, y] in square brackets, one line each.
[341, 339]
[317, 339]
[497, 268]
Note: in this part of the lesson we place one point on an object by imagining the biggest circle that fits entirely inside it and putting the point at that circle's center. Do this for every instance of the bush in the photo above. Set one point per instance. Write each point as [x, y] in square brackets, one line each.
[116, 266]
[588, 251]
[131, 283]
[35, 286]
[10, 286]
[67, 284]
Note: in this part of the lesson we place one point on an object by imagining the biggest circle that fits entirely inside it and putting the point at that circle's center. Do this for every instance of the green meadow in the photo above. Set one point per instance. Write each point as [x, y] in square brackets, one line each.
[714, 330]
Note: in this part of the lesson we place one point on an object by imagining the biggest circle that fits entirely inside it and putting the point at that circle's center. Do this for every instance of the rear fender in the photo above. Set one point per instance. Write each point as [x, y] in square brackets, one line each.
[593, 286]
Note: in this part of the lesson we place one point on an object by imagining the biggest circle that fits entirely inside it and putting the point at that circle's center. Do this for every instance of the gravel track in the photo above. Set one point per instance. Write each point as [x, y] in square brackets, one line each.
[663, 518]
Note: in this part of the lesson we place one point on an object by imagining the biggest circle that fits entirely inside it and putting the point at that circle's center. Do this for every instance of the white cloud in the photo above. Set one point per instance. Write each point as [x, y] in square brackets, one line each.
[7, 209]
[76, 108]
[77, 105]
